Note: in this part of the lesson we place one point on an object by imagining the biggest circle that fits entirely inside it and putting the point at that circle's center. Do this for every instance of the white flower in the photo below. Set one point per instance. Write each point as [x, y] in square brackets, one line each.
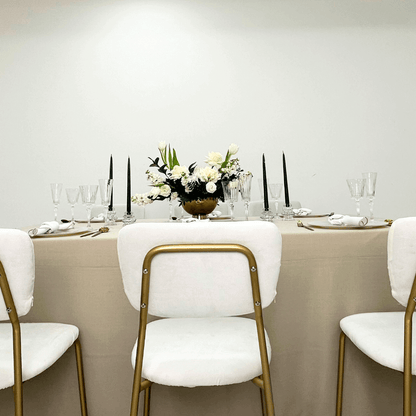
[155, 191]
[165, 190]
[179, 171]
[211, 187]
[162, 146]
[214, 159]
[207, 174]
[233, 149]
[141, 199]
[174, 195]
[233, 184]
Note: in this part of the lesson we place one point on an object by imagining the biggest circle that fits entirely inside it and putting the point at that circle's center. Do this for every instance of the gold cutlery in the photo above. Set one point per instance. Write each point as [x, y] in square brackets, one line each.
[301, 224]
[101, 231]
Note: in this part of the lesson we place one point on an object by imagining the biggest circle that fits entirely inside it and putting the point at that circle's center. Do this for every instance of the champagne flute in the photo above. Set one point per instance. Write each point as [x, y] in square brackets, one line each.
[230, 189]
[56, 189]
[356, 187]
[106, 186]
[88, 195]
[244, 183]
[72, 195]
[371, 179]
[275, 191]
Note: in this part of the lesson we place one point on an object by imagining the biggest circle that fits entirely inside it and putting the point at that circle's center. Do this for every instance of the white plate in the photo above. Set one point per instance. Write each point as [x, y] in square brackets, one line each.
[94, 221]
[64, 233]
[327, 225]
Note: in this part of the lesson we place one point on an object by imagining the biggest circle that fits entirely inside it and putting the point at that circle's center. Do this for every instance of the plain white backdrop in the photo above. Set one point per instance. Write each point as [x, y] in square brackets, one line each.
[330, 82]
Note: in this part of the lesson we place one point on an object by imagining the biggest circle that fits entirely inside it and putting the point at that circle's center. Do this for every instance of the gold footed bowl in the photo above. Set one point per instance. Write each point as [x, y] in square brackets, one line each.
[200, 208]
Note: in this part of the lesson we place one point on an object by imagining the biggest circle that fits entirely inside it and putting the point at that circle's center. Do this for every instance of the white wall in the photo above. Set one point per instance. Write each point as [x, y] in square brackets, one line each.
[332, 83]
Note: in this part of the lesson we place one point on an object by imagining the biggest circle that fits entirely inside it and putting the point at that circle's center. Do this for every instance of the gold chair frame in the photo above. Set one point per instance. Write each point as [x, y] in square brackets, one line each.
[263, 381]
[17, 351]
[407, 365]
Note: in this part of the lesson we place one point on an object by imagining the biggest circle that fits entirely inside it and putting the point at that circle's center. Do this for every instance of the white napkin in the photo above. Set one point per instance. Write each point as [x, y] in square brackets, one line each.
[302, 211]
[100, 217]
[339, 219]
[214, 214]
[194, 220]
[49, 227]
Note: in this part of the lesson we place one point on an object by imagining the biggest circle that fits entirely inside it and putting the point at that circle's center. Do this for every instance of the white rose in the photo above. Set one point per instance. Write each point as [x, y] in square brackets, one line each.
[214, 159]
[165, 190]
[155, 191]
[174, 195]
[162, 146]
[207, 174]
[178, 171]
[233, 149]
[211, 187]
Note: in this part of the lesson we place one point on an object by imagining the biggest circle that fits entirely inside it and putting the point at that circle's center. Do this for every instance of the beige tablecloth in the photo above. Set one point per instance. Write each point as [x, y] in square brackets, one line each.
[325, 275]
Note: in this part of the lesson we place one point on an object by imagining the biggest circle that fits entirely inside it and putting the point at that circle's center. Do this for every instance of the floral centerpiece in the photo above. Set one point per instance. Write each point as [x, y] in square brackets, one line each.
[189, 183]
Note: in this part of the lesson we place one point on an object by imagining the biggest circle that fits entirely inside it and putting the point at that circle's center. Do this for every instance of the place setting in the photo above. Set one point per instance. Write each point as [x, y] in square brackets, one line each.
[359, 188]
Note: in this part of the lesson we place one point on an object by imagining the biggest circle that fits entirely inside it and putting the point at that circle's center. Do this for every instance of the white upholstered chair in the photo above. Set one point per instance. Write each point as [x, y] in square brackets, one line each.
[386, 337]
[27, 349]
[201, 276]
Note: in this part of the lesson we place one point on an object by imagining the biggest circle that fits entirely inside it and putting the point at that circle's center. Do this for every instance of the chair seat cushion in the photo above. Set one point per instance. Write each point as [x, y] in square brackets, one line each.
[380, 336]
[42, 345]
[193, 352]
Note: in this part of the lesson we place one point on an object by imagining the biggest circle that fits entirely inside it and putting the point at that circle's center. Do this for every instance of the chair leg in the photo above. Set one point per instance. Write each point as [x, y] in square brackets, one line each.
[268, 394]
[81, 381]
[146, 407]
[262, 402]
[18, 398]
[340, 385]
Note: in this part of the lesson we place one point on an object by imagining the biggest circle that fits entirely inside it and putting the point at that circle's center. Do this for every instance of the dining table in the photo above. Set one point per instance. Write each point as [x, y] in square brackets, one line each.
[325, 275]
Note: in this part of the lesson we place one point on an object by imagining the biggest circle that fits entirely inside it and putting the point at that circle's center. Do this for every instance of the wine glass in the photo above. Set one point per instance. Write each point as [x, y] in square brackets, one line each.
[72, 195]
[370, 187]
[56, 189]
[230, 189]
[244, 183]
[275, 191]
[356, 187]
[88, 195]
[106, 186]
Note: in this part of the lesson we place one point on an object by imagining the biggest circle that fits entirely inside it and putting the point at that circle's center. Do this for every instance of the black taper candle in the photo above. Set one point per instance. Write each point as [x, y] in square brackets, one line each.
[110, 207]
[265, 196]
[287, 200]
[128, 188]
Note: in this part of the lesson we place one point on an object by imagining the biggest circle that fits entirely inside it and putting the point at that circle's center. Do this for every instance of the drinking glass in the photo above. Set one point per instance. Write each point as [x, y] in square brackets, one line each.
[244, 183]
[230, 189]
[275, 192]
[370, 187]
[72, 195]
[356, 187]
[106, 186]
[88, 195]
[56, 189]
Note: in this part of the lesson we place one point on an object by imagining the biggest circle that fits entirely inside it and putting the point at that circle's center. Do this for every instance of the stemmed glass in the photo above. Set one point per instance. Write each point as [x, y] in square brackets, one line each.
[356, 187]
[56, 189]
[244, 183]
[106, 186]
[230, 189]
[275, 191]
[72, 195]
[88, 195]
[370, 187]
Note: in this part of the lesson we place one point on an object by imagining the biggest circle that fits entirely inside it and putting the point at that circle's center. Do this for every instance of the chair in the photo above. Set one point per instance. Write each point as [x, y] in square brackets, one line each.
[27, 349]
[386, 337]
[201, 276]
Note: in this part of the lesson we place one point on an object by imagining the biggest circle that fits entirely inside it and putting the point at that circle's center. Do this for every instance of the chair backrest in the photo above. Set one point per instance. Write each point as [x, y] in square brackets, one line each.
[401, 251]
[18, 259]
[200, 284]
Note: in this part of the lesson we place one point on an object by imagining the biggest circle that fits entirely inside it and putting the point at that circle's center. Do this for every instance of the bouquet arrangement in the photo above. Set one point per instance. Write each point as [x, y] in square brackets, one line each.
[189, 183]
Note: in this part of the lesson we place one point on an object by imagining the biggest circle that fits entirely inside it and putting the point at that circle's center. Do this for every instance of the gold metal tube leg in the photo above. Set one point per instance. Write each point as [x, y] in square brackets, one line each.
[262, 402]
[18, 399]
[340, 384]
[81, 381]
[146, 407]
